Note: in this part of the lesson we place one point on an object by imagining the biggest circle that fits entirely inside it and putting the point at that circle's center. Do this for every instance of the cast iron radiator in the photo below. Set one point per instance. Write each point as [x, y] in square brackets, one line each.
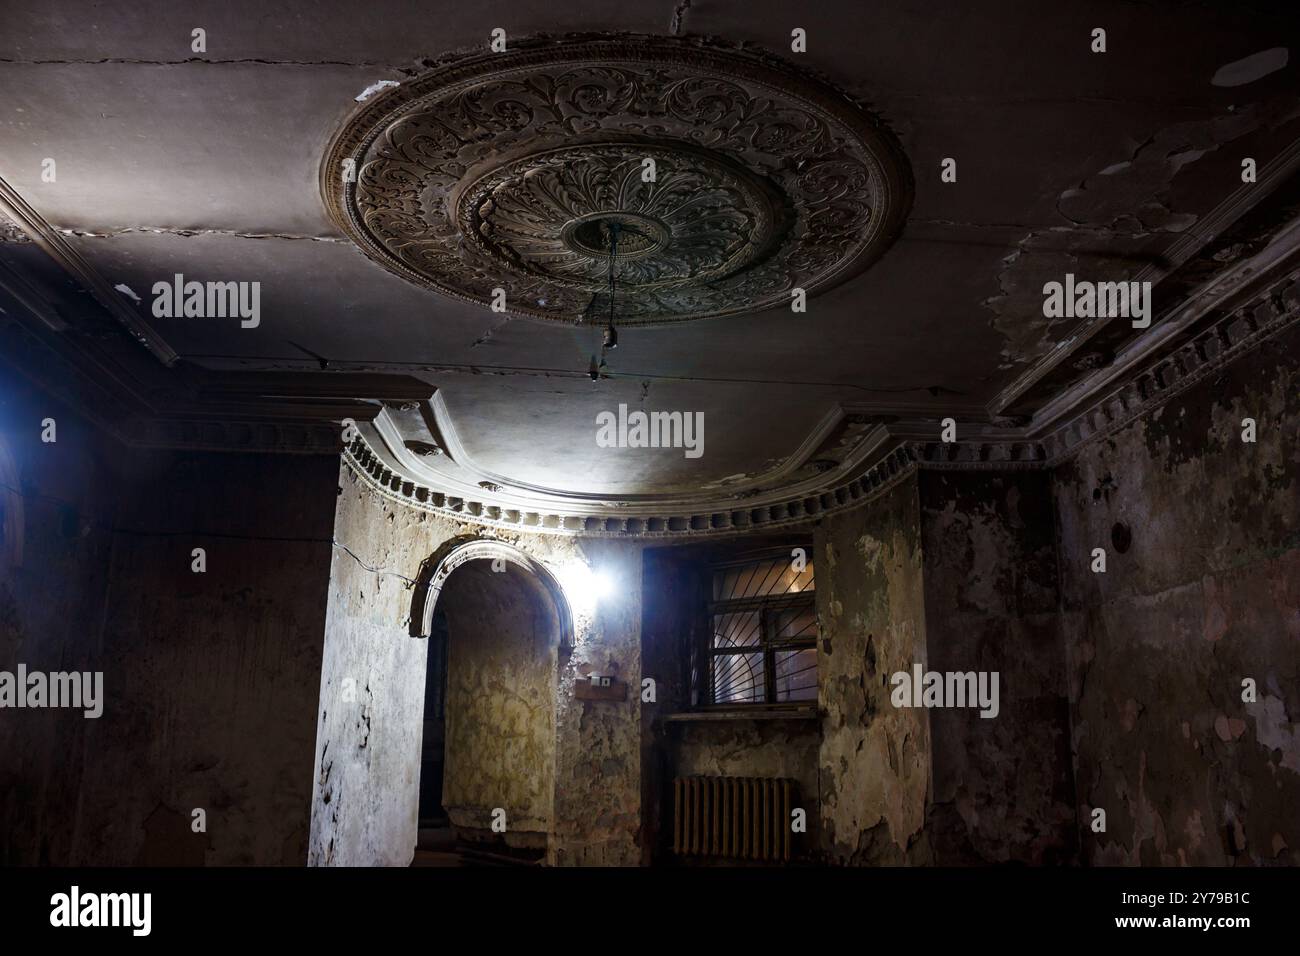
[742, 818]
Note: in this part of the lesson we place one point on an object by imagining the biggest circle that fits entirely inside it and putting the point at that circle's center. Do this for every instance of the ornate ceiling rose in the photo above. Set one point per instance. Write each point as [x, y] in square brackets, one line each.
[733, 178]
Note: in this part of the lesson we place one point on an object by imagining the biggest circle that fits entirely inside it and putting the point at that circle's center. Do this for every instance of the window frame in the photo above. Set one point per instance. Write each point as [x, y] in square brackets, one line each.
[769, 608]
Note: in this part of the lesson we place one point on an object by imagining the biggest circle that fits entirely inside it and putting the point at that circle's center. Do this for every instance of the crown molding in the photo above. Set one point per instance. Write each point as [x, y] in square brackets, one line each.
[1246, 281]
[54, 245]
[1239, 332]
[855, 452]
[886, 473]
[895, 450]
[1245, 198]
[427, 448]
[143, 404]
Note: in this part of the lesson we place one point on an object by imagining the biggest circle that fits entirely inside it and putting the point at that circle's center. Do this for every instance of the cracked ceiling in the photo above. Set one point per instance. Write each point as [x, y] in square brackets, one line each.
[1112, 166]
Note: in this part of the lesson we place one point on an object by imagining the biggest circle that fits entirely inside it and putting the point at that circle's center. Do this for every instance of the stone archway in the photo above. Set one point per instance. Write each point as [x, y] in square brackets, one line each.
[497, 622]
[435, 570]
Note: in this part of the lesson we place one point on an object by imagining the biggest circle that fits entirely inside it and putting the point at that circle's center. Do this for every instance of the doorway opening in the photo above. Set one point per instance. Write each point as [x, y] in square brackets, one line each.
[495, 628]
[433, 740]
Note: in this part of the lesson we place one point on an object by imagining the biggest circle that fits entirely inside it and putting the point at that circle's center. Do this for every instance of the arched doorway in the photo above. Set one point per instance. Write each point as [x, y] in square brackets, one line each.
[496, 622]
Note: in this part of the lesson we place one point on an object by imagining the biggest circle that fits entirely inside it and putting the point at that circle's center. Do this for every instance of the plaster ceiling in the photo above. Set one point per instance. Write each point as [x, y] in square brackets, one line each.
[209, 165]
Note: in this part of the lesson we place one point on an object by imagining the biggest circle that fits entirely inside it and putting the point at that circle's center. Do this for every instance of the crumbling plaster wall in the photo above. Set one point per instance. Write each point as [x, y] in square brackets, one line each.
[1205, 595]
[597, 763]
[195, 665]
[874, 760]
[365, 798]
[501, 673]
[365, 805]
[1003, 788]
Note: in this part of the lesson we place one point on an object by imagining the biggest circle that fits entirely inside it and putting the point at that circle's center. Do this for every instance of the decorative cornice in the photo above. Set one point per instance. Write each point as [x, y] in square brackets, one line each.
[886, 473]
[1220, 295]
[902, 446]
[1245, 198]
[1207, 353]
[57, 248]
[421, 441]
[856, 453]
[144, 405]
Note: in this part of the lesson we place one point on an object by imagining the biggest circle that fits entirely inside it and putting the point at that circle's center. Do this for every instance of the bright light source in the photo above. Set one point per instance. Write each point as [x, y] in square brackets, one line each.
[603, 584]
[583, 586]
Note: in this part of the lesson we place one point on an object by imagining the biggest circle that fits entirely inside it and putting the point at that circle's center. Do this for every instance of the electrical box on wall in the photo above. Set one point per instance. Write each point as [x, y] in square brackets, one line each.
[600, 687]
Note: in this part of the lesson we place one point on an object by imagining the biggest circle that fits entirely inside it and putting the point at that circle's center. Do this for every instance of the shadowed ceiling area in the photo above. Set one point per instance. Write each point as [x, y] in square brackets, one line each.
[920, 178]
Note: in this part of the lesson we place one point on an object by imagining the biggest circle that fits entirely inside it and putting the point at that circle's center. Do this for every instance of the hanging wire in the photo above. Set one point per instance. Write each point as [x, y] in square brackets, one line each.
[611, 336]
[609, 339]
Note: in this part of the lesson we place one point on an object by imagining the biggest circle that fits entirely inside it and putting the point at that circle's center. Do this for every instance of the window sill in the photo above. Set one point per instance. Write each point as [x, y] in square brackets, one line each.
[806, 712]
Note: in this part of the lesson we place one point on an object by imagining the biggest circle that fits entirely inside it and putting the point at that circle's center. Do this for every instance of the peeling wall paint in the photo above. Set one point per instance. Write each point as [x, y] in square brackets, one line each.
[366, 800]
[1120, 217]
[1201, 590]
[365, 796]
[501, 687]
[1119, 690]
[874, 761]
[1003, 786]
[597, 765]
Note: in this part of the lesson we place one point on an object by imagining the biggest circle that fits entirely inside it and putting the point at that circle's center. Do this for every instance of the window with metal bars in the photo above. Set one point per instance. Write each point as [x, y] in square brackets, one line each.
[761, 636]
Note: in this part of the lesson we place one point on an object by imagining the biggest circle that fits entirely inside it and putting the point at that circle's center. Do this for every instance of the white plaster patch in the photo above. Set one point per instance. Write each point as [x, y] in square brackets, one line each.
[1275, 731]
[1252, 68]
[374, 88]
[870, 548]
